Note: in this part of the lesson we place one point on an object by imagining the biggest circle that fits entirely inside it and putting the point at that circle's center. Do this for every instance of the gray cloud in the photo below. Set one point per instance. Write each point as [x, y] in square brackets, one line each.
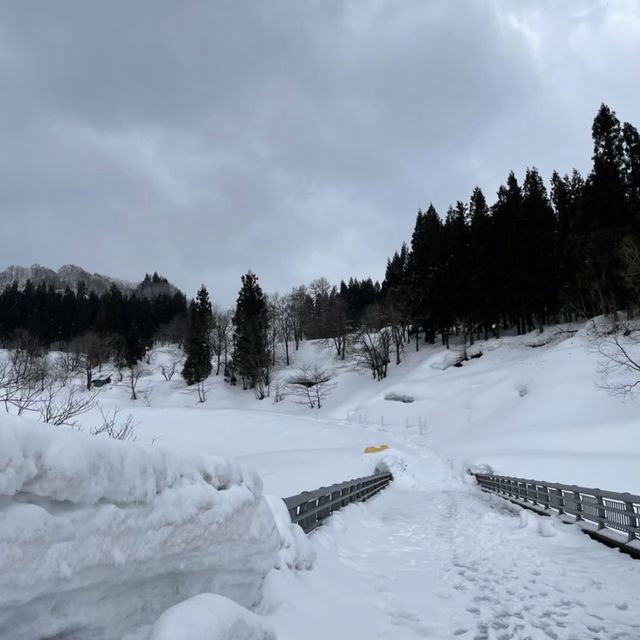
[294, 138]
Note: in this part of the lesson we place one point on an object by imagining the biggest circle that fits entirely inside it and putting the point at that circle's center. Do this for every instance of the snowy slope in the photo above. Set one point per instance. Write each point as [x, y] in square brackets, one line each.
[530, 406]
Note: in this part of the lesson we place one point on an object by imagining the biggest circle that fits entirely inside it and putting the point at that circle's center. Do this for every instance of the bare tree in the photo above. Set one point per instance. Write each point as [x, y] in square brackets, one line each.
[112, 427]
[311, 385]
[59, 405]
[147, 394]
[27, 384]
[169, 370]
[67, 365]
[339, 326]
[372, 346]
[170, 367]
[299, 298]
[278, 387]
[202, 391]
[92, 350]
[20, 381]
[273, 327]
[135, 373]
[630, 254]
[283, 324]
[221, 337]
[620, 363]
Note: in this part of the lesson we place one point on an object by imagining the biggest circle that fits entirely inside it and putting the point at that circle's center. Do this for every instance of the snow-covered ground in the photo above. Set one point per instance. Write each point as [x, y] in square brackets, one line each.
[430, 557]
[531, 406]
[445, 562]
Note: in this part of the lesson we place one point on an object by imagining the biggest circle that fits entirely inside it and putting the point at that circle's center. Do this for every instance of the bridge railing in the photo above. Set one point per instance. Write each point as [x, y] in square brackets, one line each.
[309, 509]
[602, 510]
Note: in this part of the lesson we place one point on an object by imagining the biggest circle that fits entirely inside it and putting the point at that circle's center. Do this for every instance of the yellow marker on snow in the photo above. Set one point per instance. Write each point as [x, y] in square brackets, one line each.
[382, 447]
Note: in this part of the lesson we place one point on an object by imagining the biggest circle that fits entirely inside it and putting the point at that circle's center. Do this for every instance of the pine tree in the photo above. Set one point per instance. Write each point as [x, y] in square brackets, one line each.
[631, 171]
[198, 347]
[540, 261]
[566, 195]
[509, 239]
[605, 215]
[250, 340]
[425, 264]
[482, 259]
[456, 271]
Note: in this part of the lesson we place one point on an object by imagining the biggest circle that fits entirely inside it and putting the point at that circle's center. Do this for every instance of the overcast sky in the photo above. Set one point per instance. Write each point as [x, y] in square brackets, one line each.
[294, 137]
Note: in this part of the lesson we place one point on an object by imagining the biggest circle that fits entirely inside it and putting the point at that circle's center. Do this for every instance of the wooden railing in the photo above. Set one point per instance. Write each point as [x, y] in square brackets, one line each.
[613, 518]
[309, 509]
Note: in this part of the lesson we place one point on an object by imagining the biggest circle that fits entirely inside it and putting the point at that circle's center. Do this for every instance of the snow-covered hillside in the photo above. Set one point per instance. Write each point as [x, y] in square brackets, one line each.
[530, 406]
[116, 533]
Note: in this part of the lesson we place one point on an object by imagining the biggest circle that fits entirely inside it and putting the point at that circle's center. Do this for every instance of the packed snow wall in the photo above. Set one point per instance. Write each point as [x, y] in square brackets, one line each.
[99, 536]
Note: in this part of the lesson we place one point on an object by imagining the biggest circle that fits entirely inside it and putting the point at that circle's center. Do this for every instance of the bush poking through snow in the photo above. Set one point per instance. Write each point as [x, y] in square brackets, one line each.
[29, 384]
[60, 405]
[114, 428]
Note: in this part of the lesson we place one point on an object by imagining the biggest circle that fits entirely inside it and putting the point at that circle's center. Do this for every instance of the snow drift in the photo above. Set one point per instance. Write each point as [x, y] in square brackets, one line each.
[209, 617]
[98, 536]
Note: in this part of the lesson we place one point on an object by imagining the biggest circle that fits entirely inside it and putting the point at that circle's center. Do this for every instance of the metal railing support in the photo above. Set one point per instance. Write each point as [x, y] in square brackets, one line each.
[310, 509]
[608, 516]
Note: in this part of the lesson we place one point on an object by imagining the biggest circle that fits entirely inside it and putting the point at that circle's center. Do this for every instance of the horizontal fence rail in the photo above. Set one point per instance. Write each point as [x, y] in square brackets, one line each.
[598, 512]
[310, 509]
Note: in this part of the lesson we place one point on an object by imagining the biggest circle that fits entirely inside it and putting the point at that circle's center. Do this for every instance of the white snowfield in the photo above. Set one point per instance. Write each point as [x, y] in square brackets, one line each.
[98, 539]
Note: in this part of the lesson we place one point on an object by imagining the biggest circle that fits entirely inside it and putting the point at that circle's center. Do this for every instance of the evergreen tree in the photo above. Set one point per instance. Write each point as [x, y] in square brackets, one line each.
[605, 215]
[456, 272]
[482, 258]
[509, 240]
[425, 264]
[631, 172]
[198, 347]
[250, 340]
[566, 195]
[540, 268]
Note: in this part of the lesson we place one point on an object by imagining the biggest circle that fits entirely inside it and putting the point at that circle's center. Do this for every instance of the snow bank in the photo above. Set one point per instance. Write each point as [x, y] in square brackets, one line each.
[295, 550]
[209, 617]
[413, 471]
[98, 536]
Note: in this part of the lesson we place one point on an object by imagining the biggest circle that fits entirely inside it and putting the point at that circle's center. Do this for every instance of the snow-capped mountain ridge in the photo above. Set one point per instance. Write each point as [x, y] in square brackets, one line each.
[70, 275]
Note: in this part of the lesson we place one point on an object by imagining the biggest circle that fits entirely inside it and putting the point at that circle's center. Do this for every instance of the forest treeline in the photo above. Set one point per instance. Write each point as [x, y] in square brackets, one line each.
[533, 256]
[41, 316]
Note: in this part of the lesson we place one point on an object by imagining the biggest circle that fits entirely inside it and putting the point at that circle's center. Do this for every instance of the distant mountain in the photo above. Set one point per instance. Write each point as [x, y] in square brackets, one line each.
[155, 285]
[71, 275]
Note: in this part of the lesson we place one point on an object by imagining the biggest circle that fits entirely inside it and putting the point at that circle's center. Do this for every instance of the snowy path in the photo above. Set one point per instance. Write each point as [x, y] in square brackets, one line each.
[456, 564]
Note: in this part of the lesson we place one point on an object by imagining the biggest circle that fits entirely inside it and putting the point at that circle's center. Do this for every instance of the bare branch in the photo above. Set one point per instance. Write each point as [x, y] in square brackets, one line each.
[311, 385]
[112, 428]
